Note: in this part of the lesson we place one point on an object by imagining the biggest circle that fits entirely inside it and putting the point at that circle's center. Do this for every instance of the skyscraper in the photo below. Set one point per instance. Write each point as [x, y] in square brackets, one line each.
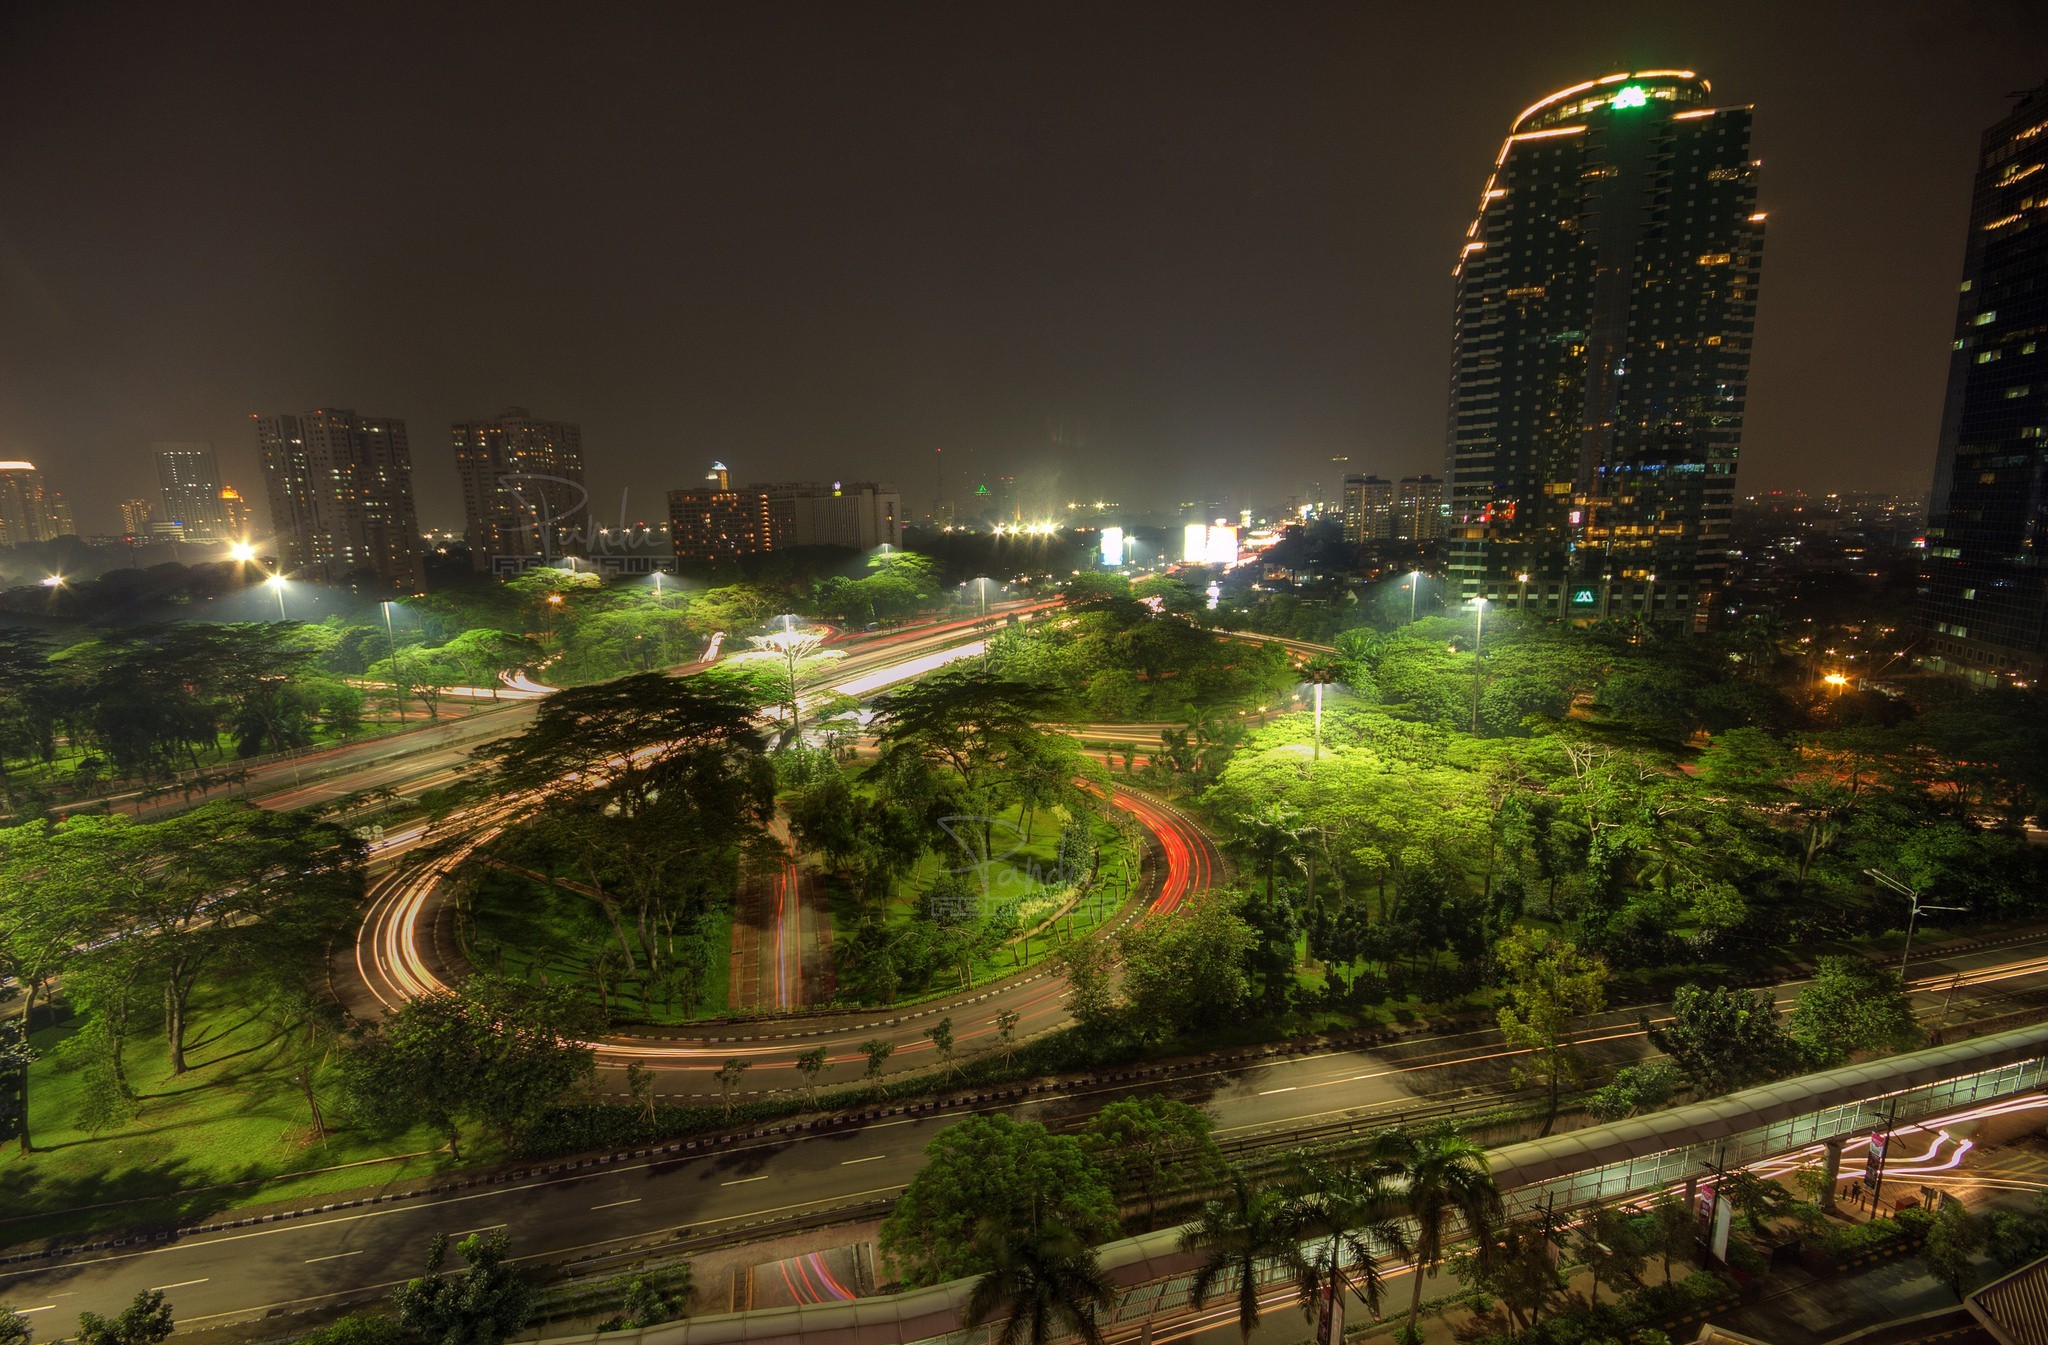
[29, 510]
[522, 486]
[1368, 508]
[340, 489]
[136, 516]
[1986, 609]
[1606, 294]
[1419, 509]
[189, 480]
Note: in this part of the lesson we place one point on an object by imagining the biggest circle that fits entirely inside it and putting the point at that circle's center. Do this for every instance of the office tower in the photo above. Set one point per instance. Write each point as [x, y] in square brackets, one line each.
[189, 481]
[136, 516]
[713, 521]
[340, 488]
[1419, 509]
[718, 520]
[1986, 609]
[29, 510]
[1606, 294]
[522, 490]
[1368, 508]
[236, 515]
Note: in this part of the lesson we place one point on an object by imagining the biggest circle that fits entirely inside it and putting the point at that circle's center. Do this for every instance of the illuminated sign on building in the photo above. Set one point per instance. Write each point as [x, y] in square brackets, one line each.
[1194, 543]
[1112, 546]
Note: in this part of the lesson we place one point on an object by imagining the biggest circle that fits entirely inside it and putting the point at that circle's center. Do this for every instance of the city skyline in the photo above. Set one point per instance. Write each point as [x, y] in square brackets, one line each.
[1234, 293]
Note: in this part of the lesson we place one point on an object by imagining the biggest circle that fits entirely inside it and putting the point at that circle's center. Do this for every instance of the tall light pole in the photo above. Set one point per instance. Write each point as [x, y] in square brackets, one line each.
[1478, 655]
[1524, 600]
[397, 686]
[1414, 592]
[1317, 754]
[276, 583]
[1913, 909]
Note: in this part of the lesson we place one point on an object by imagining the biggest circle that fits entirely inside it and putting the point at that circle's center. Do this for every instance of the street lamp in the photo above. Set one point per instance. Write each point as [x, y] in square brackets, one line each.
[1478, 654]
[397, 688]
[1914, 907]
[53, 581]
[276, 583]
[1414, 592]
[1523, 578]
[242, 552]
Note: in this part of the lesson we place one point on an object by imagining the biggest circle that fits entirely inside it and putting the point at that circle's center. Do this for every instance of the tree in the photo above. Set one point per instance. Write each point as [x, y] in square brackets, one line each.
[501, 1057]
[489, 1302]
[1090, 965]
[1607, 1245]
[145, 1321]
[1150, 1143]
[810, 1064]
[16, 1055]
[1953, 1241]
[1549, 984]
[1044, 1279]
[1250, 1227]
[1006, 1034]
[1634, 1088]
[14, 1328]
[940, 1035]
[640, 1087]
[1519, 1266]
[1676, 1228]
[728, 1079]
[1186, 970]
[877, 1053]
[1851, 1005]
[1445, 1178]
[1350, 1214]
[1724, 1038]
[991, 1167]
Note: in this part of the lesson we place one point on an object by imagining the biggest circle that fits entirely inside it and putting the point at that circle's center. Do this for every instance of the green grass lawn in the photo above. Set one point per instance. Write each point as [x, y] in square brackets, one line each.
[234, 1117]
[524, 928]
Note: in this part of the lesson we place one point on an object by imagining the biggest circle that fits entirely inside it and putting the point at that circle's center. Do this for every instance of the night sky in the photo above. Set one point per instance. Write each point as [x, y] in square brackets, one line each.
[1148, 252]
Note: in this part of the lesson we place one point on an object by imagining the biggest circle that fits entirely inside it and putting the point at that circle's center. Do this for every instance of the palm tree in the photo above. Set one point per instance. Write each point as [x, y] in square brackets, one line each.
[1444, 1176]
[1353, 1214]
[1045, 1278]
[1236, 1235]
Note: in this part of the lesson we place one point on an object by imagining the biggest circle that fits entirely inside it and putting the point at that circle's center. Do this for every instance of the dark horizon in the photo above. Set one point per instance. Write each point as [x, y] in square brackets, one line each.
[1153, 254]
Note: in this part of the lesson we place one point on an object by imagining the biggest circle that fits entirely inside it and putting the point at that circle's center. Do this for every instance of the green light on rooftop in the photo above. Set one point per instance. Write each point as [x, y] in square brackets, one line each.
[1631, 96]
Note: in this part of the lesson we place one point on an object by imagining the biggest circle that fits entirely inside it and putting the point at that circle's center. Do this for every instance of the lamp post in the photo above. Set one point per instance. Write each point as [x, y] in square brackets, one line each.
[1523, 601]
[1913, 909]
[1478, 655]
[1317, 753]
[397, 686]
[276, 583]
[1414, 591]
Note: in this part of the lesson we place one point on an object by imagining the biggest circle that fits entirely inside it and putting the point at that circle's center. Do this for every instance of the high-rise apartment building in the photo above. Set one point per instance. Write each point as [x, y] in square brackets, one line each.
[522, 489]
[29, 510]
[188, 480]
[1368, 508]
[1606, 294]
[1419, 509]
[718, 521]
[340, 488]
[1986, 609]
[136, 516]
[236, 513]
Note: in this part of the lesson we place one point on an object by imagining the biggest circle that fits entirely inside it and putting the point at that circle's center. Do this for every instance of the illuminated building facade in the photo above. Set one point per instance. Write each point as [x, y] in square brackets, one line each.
[1986, 609]
[1606, 295]
[29, 510]
[719, 521]
[1368, 508]
[188, 479]
[522, 487]
[341, 500]
[1419, 508]
[136, 516]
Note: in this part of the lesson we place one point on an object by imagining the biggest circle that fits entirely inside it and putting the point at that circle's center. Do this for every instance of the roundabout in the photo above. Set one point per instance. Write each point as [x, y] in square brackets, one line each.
[406, 948]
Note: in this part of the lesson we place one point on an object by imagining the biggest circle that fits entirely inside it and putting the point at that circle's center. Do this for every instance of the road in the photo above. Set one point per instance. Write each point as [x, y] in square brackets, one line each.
[324, 1258]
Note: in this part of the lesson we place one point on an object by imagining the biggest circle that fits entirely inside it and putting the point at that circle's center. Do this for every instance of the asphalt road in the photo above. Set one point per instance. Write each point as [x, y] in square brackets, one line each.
[324, 1258]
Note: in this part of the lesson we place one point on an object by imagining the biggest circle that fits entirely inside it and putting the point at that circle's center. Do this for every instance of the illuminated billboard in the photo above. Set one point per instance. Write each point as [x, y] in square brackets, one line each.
[1194, 543]
[1112, 546]
[1220, 547]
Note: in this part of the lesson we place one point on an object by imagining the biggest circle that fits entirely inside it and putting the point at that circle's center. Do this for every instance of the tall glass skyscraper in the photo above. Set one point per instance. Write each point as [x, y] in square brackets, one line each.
[1606, 295]
[1986, 609]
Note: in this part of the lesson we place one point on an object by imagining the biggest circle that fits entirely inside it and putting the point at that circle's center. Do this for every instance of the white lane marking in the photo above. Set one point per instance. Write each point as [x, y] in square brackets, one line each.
[485, 1229]
[742, 1181]
[333, 1256]
[869, 1159]
[26, 1311]
[181, 1284]
[1268, 1092]
[616, 1203]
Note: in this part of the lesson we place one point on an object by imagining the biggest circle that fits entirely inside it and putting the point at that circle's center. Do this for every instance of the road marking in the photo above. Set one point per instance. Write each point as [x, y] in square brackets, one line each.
[333, 1256]
[616, 1203]
[869, 1159]
[742, 1181]
[1268, 1092]
[181, 1284]
[26, 1311]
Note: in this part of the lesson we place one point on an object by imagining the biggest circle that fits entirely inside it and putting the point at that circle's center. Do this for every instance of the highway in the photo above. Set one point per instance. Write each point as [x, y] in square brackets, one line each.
[322, 1258]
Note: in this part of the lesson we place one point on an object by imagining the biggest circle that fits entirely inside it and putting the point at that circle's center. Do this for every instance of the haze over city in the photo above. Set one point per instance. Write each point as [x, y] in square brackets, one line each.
[1134, 252]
